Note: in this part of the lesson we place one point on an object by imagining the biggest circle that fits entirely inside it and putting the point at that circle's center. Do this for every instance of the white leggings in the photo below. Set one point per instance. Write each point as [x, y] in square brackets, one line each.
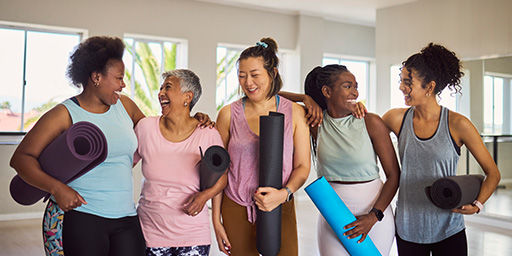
[359, 198]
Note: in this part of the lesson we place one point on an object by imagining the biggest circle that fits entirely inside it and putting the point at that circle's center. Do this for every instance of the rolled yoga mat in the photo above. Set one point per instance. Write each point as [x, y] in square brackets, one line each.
[213, 164]
[337, 214]
[268, 224]
[454, 191]
[72, 154]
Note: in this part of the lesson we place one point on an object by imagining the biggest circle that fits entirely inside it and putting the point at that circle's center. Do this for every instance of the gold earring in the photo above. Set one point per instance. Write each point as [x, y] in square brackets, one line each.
[428, 94]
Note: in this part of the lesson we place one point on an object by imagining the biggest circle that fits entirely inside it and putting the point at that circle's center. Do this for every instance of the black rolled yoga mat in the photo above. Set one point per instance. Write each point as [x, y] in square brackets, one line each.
[213, 164]
[73, 153]
[268, 224]
[454, 191]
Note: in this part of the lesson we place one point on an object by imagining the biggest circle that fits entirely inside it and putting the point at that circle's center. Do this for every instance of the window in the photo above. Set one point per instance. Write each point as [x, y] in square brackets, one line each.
[360, 69]
[494, 95]
[227, 76]
[146, 58]
[33, 65]
[448, 97]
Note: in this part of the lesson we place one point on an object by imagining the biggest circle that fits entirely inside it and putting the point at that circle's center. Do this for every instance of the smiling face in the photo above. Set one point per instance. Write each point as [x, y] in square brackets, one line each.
[111, 82]
[254, 78]
[411, 87]
[342, 94]
[170, 95]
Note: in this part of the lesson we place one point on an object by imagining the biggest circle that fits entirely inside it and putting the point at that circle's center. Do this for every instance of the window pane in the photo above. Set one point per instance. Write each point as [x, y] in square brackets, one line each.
[498, 105]
[327, 61]
[144, 63]
[11, 68]
[360, 71]
[397, 97]
[488, 104]
[46, 87]
[227, 76]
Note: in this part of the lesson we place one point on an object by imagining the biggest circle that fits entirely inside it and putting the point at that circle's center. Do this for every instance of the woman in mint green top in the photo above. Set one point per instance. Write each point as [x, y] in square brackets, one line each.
[347, 149]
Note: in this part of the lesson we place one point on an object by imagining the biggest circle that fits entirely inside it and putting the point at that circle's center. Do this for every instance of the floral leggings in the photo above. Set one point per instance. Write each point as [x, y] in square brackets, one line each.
[52, 229]
[199, 250]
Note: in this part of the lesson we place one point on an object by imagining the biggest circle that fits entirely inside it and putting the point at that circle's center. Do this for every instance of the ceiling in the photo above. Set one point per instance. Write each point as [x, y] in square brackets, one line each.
[361, 12]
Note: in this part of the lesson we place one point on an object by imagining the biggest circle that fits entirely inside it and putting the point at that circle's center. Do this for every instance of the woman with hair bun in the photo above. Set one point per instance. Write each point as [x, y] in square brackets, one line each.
[429, 141]
[347, 148]
[238, 125]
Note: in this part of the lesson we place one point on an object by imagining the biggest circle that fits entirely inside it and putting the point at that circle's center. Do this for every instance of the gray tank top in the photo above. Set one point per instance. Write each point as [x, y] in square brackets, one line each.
[423, 161]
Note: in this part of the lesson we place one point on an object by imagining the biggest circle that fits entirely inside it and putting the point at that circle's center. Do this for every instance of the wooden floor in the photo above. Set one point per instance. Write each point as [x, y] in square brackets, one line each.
[24, 237]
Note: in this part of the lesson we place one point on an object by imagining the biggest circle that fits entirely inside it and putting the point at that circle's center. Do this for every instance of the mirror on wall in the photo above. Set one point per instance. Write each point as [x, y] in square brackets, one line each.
[491, 112]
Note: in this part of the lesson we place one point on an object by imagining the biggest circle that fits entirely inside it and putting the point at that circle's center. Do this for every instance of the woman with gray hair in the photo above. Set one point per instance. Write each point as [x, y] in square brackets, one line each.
[171, 208]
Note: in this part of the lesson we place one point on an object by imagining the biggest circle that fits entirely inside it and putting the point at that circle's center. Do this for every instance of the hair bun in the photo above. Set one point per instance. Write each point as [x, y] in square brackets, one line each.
[272, 45]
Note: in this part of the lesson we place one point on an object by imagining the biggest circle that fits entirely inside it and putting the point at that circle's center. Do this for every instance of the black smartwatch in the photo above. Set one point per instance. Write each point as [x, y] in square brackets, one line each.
[378, 213]
[290, 194]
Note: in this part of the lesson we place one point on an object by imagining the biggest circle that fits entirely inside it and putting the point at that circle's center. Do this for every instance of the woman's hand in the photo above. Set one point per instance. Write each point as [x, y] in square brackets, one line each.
[359, 110]
[195, 204]
[204, 120]
[67, 198]
[222, 238]
[314, 113]
[268, 198]
[362, 226]
[467, 209]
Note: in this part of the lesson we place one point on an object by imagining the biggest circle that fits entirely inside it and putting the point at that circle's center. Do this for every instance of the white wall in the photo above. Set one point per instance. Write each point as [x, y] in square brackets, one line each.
[203, 25]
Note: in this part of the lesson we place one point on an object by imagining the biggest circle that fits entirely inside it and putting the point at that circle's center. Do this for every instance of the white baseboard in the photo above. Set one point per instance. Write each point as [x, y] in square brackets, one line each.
[21, 216]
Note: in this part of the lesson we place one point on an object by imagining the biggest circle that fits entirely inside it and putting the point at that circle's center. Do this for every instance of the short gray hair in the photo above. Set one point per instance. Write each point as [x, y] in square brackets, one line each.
[189, 82]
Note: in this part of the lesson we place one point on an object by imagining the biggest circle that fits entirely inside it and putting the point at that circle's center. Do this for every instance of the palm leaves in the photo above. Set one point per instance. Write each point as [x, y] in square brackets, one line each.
[224, 68]
[145, 93]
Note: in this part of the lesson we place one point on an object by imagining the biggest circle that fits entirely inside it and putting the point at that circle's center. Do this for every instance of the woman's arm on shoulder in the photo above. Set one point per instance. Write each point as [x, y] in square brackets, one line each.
[25, 157]
[393, 119]
[379, 135]
[464, 132]
[133, 110]
[314, 112]
[223, 124]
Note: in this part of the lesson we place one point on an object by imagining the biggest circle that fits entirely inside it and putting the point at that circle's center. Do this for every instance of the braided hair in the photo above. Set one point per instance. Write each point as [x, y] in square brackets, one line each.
[320, 76]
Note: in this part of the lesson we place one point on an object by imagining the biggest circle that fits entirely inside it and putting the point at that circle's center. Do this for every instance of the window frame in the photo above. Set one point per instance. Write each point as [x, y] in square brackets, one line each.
[507, 122]
[14, 137]
[371, 76]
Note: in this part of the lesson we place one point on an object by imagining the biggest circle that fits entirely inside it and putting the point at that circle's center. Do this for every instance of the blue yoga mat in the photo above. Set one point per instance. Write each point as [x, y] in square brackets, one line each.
[337, 214]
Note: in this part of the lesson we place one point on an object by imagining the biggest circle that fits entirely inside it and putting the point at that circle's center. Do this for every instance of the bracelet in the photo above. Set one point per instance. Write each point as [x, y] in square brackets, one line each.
[479, 205]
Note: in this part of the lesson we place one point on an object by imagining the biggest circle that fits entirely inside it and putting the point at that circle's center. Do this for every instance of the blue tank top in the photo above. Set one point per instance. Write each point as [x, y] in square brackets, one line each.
[423, 161]
[108, 187]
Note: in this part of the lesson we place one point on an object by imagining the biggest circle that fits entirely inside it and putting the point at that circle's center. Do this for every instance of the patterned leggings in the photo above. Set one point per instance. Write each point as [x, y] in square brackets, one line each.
[52, 229]
[199, 250]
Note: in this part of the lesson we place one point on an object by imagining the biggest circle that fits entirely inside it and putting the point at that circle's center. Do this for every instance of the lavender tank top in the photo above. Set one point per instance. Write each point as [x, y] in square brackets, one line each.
[243, 148]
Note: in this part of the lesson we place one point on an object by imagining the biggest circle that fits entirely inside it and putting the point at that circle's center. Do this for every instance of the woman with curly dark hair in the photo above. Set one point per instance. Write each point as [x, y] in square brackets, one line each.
[429, 141]
[100, 216]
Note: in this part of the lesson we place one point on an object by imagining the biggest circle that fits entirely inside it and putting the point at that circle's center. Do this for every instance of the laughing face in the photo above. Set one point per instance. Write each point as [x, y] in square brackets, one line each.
[342, 94]
[411, 87]
[111, 82]
[170, 95]
[254, 78]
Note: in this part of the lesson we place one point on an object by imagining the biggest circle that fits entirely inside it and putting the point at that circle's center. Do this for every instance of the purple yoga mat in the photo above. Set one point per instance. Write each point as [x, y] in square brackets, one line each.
[76, 151]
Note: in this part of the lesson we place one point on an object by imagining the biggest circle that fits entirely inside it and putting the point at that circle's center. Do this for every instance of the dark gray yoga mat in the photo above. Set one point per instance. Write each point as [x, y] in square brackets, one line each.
[72, 154]
[213, 165]
[454, 191]
[268, 224]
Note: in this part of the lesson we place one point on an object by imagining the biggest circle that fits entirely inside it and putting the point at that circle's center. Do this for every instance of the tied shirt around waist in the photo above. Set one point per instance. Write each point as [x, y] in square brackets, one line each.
[243, 148]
